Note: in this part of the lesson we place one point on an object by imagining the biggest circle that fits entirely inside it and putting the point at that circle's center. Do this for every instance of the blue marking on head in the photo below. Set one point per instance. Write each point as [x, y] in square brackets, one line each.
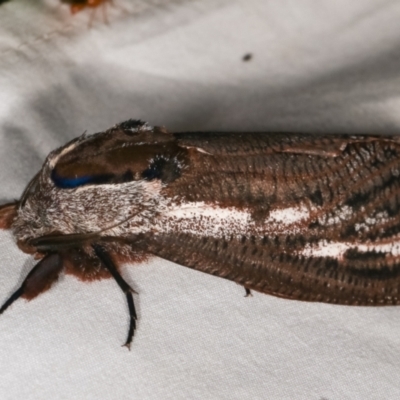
[70, 183]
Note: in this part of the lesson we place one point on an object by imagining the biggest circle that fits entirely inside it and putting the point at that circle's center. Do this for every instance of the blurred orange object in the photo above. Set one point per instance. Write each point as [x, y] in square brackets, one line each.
[79, 5]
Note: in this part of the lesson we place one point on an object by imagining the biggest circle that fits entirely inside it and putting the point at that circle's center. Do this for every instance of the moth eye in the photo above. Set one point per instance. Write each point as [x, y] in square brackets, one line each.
[162, 168]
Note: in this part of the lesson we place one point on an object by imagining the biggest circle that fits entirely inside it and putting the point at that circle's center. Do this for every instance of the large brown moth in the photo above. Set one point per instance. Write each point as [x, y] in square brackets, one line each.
[298, 216]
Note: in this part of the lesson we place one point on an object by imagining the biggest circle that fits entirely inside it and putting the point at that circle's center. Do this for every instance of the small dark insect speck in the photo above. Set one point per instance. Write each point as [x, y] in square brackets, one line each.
[247, 57]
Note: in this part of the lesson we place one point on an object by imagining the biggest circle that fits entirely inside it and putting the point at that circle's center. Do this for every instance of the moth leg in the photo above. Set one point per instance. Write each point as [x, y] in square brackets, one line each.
[40, 279]
[248, 292]
[108, 263]
[62, 242]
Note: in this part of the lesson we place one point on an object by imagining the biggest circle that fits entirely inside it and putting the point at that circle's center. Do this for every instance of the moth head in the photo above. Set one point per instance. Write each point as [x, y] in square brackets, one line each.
[131, 151]
[110, 182]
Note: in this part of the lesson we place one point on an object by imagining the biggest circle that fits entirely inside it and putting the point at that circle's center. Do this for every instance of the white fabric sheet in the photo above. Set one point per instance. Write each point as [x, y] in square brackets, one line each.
[318, 65]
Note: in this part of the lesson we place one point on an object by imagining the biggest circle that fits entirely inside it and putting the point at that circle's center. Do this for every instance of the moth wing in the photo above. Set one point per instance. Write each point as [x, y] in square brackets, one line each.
[266, 266]
[252, 143]
[267, 170]
[342, 182]
[247, 264]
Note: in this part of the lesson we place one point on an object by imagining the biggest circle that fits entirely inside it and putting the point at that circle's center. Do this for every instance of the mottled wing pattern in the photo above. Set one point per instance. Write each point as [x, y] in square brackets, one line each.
[347, 249]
